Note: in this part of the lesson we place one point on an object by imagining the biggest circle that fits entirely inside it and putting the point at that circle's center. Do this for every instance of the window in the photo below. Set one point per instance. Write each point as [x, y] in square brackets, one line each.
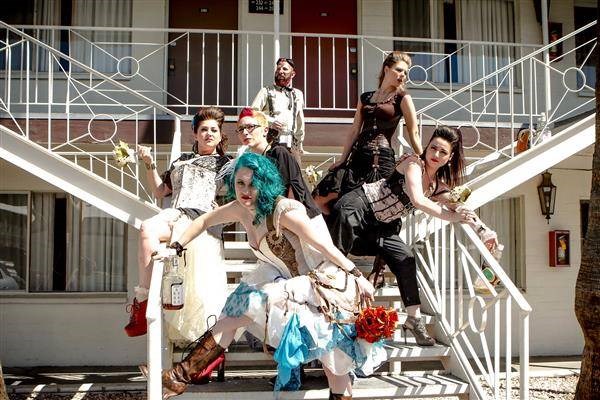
[468, 20]
[586, 54]
[13, 240]
[98, 49]
[73, 246]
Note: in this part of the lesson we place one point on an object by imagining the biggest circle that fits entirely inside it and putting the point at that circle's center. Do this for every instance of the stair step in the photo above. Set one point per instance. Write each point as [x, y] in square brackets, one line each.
[376, 387]
[396, 350]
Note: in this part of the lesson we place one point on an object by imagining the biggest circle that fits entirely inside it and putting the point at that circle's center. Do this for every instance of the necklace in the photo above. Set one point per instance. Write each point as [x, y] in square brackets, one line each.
[383, 97]
[430, 187]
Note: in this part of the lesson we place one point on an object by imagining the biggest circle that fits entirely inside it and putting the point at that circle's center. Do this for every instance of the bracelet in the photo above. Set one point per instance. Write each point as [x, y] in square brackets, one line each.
[150, 166]
[356, 272]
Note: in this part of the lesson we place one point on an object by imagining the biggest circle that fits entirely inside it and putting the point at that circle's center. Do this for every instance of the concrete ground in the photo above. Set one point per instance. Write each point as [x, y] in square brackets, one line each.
[127, 382]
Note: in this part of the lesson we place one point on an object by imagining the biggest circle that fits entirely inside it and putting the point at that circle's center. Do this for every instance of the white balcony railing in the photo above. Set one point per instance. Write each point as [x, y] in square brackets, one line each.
[94, 109]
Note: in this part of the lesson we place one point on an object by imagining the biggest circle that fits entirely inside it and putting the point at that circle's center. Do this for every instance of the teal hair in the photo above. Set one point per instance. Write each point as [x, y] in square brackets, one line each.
[265, 179]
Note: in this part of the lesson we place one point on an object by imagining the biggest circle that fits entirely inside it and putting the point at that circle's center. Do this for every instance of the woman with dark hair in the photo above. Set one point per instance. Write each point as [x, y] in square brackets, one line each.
[368, 154]
[368, 218]
[192, 182]
[282, 301]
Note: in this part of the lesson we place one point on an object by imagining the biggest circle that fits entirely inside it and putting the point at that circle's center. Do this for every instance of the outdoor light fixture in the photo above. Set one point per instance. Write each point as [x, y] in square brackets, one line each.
[547, 193]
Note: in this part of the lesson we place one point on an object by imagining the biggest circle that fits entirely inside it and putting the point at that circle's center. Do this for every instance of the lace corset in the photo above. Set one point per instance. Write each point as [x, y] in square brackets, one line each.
[193, 181]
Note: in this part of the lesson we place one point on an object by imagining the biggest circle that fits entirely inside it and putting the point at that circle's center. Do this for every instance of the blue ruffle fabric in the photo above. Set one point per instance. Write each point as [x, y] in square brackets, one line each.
[238, 302]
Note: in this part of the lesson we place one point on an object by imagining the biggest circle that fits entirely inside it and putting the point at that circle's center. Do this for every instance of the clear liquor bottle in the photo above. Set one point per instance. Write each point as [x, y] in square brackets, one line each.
[173, 293]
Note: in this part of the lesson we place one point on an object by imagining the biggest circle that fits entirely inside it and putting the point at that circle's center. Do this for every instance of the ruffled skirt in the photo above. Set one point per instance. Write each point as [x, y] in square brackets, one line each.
[285, 317]
[205, 285]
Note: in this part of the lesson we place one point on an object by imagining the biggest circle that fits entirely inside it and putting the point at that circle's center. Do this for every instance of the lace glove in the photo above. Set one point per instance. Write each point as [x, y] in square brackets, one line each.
[178, 248]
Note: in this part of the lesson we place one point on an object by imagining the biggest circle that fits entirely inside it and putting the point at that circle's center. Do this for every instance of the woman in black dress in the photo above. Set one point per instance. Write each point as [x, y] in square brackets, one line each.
[368, 219]
[368, 154]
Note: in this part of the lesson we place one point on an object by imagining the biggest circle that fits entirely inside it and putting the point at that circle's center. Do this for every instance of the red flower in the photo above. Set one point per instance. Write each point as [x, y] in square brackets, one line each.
[376, 323]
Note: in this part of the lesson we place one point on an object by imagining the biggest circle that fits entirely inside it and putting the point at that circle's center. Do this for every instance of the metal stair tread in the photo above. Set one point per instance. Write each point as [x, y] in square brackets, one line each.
[375, 387]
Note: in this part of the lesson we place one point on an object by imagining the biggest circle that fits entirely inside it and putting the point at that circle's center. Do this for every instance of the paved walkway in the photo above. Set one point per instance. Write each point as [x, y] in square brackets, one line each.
[111, 379]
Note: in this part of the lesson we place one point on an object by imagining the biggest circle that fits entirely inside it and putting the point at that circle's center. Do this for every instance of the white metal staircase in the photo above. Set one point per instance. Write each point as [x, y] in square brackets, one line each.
[469, 350]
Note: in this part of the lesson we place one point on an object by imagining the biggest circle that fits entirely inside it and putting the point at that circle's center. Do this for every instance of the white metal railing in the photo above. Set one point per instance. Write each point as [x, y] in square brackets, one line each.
[450, 257]
[489, 89]
[192, 68]
[492, 109]
[106, 110]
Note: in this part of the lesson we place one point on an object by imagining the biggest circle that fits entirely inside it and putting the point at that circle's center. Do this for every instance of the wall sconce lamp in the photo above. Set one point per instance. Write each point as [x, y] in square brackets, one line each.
[547, 193]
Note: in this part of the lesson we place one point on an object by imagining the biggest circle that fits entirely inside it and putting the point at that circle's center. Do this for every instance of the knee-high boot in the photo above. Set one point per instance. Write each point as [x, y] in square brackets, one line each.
[176, 379]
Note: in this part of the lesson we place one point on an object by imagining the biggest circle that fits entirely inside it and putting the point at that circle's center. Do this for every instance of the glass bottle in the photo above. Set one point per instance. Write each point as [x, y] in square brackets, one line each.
[172, 288]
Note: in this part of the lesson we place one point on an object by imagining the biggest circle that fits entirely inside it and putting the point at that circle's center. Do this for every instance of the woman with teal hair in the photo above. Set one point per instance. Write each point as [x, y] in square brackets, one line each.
[280, 301]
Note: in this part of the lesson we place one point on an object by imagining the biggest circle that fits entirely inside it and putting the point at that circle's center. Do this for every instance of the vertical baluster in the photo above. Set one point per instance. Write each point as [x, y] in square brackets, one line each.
[28, 58]
[233, 82]
[333, 68]
[247, 64]
[305, 75]
[524, 357]
[219, 68]
[106, 167]
[50, 92]
[497, 326]
[262, 60]
[362, 65]
[187, 74]
[452, 273]
[347, 73]
[508, 354]
[444, 254]
[203, 69]
[470, 81]
[137, 165]
[319, 67]
[483, 64]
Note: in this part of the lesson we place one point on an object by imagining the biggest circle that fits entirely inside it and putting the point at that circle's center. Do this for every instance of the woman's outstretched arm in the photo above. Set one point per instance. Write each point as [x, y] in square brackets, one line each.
[414, 187]
[297, 222]
[228, 213]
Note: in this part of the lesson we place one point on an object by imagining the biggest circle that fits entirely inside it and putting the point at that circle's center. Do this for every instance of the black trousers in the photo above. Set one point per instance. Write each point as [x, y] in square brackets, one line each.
[355, 230]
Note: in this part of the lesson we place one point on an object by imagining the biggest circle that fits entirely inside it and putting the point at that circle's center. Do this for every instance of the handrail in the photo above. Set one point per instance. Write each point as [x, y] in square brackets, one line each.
[270, 33]
[92, 71]
[498, 270]
[505, 68]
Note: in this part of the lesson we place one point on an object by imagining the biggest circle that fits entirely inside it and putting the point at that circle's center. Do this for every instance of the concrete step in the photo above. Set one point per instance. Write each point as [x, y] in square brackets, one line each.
[315, 387]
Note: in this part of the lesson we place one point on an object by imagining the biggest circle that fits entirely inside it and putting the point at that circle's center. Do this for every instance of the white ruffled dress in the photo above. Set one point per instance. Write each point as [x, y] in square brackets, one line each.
[282, 307]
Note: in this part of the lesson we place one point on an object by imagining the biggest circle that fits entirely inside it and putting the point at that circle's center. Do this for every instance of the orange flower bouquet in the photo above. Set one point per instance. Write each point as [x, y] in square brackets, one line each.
[376, 323]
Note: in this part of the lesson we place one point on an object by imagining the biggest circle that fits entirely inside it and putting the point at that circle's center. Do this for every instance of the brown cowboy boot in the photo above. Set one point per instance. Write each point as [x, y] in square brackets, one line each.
[177, 378]
[335, 396]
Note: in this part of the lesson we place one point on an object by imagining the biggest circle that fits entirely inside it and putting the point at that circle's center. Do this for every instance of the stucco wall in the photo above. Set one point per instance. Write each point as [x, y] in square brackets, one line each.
[551, 291]
[66, 328]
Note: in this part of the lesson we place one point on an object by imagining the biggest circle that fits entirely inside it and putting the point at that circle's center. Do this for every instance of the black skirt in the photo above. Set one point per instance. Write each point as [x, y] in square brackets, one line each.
[365, 165]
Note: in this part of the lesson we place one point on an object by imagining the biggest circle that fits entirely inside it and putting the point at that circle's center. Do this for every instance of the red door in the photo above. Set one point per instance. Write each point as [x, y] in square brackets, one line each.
[333, 59]
[208, 78]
